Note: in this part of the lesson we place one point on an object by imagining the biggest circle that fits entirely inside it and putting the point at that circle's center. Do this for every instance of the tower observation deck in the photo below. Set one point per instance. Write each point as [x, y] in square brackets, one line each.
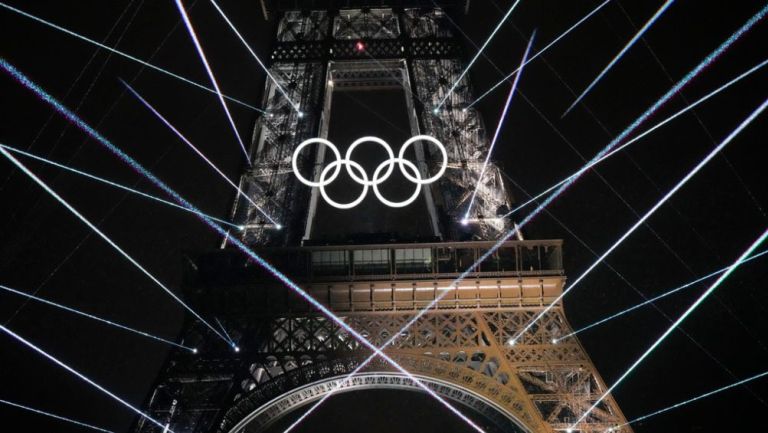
[344, 70]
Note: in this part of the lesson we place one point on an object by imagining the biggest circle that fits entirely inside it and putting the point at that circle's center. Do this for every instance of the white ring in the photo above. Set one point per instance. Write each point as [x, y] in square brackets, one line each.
[404, 165]
[362, 140]
[376, 184]
[432, 140]
[353, 203]
[306, 143]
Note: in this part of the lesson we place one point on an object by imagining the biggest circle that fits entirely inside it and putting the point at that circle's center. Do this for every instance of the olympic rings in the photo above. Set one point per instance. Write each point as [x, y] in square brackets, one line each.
[409, 170]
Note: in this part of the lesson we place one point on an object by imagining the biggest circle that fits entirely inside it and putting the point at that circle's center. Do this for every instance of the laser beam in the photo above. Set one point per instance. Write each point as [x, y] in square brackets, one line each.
[198, 152]
[656, 298]
[647, 215]
[124, 55]
[101, 234]
[645, 133]
[540, 52]
[78, 374]
[479, 52]
[255, 56]
[53, 415]
[680, 320]
[114, 184]
[528, 218]
[697, 398]
[68, 114]
[208, 69]
[708, 60]
[626, 48]
[98, 319]
[498, 127]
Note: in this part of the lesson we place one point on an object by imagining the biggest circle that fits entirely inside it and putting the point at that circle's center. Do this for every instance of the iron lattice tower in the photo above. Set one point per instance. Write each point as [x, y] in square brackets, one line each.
[290, 354]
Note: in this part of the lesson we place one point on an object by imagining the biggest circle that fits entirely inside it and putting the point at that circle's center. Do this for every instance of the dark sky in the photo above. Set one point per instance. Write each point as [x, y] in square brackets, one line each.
[703, 228]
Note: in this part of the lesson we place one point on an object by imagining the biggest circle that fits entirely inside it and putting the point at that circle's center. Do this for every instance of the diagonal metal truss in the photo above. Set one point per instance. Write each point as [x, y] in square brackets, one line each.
[463, 348]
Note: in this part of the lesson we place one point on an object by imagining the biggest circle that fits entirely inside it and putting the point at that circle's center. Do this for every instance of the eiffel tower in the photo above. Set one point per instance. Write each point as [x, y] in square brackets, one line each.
[376, 266]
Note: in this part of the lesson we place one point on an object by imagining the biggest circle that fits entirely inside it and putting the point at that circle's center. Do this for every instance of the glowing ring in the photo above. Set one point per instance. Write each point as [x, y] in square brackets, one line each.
[376, 182]
[306, 143]
[323, 183]
[432, 140]
[383, 144]
[378, 178]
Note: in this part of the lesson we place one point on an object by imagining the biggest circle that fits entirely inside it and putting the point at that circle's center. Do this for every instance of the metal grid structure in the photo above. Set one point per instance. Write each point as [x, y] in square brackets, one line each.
[464, 348]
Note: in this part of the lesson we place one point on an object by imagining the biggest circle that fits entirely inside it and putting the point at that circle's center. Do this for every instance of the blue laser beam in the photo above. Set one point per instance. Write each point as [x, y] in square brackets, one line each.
[198, 152]
[78, 374]
[697, 398]
[124, 55]
[479, 52]
[647, 215]
[255, 56]
[540, 52]
[96, 318]
[53, 415]
[71, 116]
[111, 183]
[656, 298]
[199, 47]
[645, 133]
[621, 53]
[680, 320]
[498, 127]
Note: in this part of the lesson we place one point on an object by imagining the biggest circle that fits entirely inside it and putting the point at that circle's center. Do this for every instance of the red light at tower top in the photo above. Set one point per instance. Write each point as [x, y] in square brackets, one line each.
[360, 46]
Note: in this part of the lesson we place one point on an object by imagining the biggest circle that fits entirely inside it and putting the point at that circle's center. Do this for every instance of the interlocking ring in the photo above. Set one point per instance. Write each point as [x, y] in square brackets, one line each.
[409, 170]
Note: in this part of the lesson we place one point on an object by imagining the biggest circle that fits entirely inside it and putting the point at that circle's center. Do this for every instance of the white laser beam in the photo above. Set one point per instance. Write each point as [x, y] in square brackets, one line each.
[111, 183]
[96, 318]
[208, 69]
[79, 375]
[198, 152]
[540, 52]
[124, 55]
[677, 322]
[500, 124]
[621, 53]
[479, 52]
[53, 415]
[648, 214]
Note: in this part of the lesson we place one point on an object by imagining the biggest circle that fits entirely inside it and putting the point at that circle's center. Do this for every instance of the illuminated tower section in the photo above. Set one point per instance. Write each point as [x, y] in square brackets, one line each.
[344, 71]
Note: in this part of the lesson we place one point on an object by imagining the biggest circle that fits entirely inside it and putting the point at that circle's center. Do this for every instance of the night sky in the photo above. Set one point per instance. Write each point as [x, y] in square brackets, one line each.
[44, 249]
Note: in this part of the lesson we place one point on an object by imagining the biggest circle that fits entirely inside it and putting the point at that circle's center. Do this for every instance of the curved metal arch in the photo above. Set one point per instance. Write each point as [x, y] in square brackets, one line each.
[256, 410]
[266, 415]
